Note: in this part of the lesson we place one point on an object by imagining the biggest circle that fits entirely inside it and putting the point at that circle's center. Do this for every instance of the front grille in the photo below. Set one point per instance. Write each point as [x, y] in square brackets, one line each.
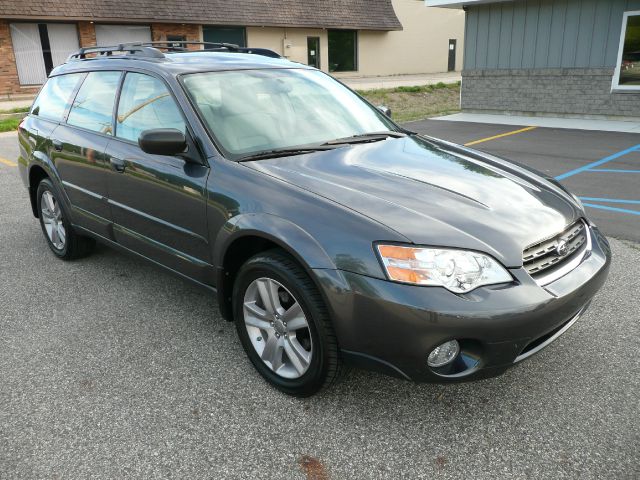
[545, 256]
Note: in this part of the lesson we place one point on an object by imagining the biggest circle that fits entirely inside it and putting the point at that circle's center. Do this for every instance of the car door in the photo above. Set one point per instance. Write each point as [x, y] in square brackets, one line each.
[78, 150]
[158, 202]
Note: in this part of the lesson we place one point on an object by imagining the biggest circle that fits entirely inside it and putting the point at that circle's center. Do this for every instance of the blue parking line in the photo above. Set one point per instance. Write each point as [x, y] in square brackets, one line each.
[612, 170]
[613, 209]
[609, 200]
[598, 163]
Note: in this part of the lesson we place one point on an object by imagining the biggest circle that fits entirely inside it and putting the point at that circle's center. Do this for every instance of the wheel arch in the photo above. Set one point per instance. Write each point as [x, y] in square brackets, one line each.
[36, 174]
[250, 234]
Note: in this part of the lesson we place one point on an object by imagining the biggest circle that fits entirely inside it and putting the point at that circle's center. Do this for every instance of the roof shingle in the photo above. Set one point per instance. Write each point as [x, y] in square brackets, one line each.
[360, 14]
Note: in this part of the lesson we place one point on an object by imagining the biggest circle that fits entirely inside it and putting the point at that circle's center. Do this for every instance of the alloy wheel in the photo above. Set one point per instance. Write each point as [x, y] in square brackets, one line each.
[52, 220]
[277, 327]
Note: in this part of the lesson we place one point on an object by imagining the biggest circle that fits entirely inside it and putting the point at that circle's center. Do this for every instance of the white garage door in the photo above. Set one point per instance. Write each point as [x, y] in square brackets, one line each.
[30, 57]
[107, 35]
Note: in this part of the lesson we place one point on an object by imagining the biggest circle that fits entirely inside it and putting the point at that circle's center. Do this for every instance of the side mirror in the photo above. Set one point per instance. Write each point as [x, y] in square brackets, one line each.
[163, 141]
[384, 109]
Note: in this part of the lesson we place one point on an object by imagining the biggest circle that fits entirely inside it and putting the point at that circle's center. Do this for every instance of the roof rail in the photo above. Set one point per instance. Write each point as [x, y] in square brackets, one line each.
[181, 46]
[137, 50]
[152, 49]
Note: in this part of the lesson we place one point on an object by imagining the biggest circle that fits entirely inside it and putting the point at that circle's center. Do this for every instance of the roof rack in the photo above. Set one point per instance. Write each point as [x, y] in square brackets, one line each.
[181, 46]
[153, 49]
[127, 48]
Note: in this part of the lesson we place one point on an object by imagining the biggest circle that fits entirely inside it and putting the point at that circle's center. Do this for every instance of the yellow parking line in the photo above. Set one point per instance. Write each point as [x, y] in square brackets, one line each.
[515, 132]
[8, 162]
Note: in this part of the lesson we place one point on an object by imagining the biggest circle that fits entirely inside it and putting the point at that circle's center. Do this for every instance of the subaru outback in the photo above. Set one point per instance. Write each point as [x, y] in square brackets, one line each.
[332, 236]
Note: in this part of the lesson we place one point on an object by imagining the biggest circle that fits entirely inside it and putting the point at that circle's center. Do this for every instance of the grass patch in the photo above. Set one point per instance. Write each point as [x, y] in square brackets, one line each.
[9, 124]
[16, 110]
[416, 103]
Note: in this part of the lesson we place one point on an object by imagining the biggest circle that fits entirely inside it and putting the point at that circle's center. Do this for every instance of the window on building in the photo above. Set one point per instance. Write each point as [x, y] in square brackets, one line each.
[627, 76]
[343, 50]
[235, 35]
[145, 103]
[93, 106]
[39, 47]
[176, 39]
[54, 98]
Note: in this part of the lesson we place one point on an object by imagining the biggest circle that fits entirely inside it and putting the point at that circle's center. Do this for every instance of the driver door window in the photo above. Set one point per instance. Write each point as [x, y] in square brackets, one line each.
[145, 104]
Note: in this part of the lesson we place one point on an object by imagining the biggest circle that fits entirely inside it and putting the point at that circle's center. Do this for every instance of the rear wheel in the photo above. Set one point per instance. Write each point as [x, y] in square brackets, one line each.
[63, 241]
[284, 326]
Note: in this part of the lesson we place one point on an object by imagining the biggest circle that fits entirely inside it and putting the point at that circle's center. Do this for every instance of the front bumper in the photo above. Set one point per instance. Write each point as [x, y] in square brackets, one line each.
[391, 327]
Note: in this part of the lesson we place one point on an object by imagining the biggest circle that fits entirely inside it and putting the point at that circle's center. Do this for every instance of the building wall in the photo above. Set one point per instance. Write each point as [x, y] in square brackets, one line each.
[421, 47]
[545, 34]
[193, 33]
[295, 38]
[582, 92]
[546, 57]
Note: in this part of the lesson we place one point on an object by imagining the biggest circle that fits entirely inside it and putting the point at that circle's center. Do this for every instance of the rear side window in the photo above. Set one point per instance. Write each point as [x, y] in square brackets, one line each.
[55, 96]
[145, 104]
[93, 105]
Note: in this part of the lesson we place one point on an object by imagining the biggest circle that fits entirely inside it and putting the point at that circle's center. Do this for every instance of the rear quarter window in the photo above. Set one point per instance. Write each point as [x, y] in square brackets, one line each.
[55, 97]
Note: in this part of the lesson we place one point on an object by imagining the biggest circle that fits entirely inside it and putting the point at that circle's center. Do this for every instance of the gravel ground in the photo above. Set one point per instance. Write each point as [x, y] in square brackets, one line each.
[111, 368]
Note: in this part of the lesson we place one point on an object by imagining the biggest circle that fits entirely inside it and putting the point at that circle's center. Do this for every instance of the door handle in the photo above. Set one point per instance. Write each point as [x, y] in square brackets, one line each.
[57, 144]
[117, 164]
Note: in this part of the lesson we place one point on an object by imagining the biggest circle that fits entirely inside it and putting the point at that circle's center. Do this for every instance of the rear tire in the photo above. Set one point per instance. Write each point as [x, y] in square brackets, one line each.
[302, 357]
[63, 241]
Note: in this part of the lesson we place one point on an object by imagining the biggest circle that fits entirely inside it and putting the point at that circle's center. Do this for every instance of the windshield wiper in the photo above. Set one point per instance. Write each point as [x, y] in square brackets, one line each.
[283, 152]
[366, 137]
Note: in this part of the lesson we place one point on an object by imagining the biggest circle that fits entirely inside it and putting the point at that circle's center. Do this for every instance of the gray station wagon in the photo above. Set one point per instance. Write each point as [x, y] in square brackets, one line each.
[331, 235]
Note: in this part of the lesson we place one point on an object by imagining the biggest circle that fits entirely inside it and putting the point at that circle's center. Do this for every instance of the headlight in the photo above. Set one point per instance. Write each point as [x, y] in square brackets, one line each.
[457, 270]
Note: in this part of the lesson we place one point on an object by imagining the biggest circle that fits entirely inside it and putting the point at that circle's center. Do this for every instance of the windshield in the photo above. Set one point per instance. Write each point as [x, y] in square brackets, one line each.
[251, 111]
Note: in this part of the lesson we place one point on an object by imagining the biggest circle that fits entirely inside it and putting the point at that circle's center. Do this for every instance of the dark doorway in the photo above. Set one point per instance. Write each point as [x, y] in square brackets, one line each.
[235, 35]
[343, 50]
[313, 51]
[452, 55]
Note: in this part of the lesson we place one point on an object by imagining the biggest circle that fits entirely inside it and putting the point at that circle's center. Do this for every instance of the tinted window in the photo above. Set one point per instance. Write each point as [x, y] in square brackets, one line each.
[145, 103]
[93, 106]
[55, 96]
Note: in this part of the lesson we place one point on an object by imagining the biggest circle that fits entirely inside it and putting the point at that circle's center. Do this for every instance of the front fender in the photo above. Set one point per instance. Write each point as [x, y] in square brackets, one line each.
[289, 236]
[283, 232]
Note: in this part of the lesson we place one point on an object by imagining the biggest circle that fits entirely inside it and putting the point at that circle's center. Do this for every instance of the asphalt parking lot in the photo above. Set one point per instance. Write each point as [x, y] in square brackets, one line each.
[111, 368]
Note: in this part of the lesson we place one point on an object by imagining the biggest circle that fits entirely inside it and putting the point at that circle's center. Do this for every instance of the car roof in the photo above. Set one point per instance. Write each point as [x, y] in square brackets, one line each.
[179, 63]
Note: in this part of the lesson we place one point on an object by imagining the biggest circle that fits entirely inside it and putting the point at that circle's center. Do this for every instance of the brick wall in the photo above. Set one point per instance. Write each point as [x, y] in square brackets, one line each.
[9, 84]
[159, 32]
[86, 34]
[567, 91]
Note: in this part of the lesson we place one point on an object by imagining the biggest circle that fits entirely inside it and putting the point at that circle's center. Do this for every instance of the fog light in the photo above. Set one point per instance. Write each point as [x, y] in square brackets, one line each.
[443, 354]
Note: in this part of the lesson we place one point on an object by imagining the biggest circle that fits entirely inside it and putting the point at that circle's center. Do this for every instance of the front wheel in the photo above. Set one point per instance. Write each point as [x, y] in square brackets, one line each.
[284, 325]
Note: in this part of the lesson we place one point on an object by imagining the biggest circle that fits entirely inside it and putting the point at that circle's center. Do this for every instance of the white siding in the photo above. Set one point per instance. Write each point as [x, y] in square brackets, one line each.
[63, 40]
[28, 52]
[107, 35]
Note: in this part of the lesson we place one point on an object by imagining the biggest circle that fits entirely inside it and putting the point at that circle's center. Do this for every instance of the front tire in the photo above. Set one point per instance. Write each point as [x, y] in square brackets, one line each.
[63, 241]
[284, 326]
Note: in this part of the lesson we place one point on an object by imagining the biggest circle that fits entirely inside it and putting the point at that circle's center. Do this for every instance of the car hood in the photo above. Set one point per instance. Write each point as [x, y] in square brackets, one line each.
[435, 193]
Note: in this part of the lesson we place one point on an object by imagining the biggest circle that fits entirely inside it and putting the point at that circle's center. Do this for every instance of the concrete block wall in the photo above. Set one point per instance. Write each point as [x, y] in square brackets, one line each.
[552, 91]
